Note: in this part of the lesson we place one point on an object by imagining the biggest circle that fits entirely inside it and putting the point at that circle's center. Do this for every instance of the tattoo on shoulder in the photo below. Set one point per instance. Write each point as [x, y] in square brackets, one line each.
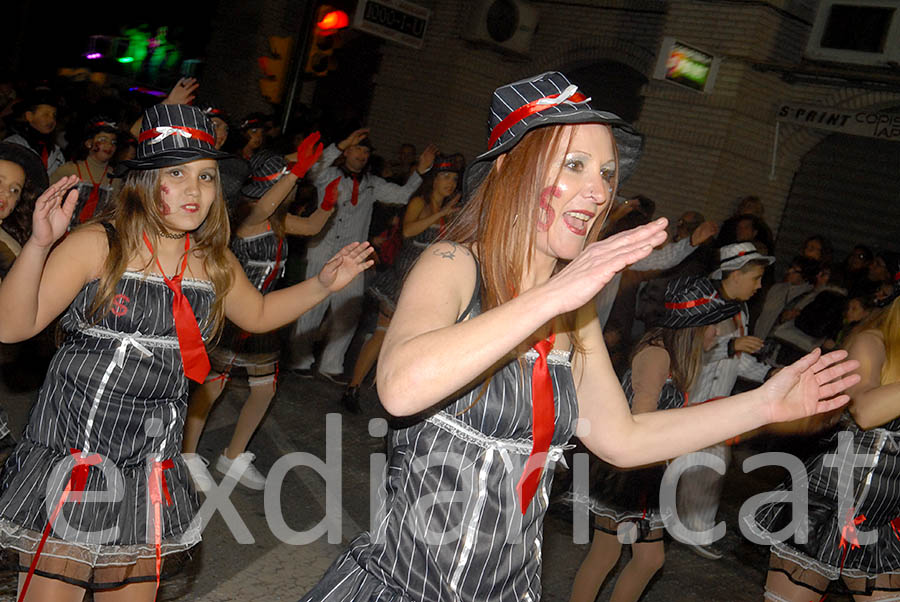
[443, 251]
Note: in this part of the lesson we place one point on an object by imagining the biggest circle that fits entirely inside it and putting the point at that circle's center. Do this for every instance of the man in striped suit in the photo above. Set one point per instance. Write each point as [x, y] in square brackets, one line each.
[358, 191]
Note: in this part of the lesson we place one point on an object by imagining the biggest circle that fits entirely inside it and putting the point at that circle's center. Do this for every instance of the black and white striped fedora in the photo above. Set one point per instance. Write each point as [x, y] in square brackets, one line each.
[546, 99]
[174, 134]
[694, 301]
[735, 256]
[266, 168]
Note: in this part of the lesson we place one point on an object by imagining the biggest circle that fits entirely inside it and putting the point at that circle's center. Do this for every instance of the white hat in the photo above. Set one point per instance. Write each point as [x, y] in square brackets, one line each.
[734, 257]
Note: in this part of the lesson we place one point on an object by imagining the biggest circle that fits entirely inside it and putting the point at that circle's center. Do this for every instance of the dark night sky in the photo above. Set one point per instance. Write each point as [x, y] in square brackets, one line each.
[40, 39]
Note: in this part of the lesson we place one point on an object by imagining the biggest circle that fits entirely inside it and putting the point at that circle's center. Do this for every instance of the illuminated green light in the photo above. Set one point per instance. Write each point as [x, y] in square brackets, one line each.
[126, 59]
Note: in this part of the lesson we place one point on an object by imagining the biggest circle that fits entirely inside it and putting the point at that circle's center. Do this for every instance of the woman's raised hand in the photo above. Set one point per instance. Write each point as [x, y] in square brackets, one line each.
[578, 283]
[346, 265]
[813, 384]
[53, 212]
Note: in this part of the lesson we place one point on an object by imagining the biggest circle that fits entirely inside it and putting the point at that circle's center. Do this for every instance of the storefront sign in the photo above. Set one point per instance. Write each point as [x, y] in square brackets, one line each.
[870, 124]
[396, 20]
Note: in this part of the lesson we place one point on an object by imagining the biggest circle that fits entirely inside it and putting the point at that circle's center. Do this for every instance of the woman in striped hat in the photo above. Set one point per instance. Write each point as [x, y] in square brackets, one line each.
[625, 503]
[495, 352]
[261, 247]
[96, 496]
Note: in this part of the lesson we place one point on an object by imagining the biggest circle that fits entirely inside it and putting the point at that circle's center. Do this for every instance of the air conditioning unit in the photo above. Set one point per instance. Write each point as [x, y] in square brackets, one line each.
[505, 25]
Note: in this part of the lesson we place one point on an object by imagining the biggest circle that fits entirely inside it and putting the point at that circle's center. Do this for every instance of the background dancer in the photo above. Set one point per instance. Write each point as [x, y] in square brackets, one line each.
[834, 556]
[109, 417]
[426, 217]
[458, 351]
[357, 192]
[260, 245]
[625, 503]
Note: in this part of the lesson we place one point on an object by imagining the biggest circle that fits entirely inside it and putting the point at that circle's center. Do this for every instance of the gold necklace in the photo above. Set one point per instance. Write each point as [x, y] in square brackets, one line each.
[165, 234]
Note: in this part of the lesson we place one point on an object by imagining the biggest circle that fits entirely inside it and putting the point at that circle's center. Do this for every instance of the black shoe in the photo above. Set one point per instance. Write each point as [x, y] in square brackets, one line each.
[302, 372]
[350, 400]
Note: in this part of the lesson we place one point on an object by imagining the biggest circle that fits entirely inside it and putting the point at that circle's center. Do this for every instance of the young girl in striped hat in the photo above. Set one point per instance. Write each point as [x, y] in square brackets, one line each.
[625, 503]
[96, 495]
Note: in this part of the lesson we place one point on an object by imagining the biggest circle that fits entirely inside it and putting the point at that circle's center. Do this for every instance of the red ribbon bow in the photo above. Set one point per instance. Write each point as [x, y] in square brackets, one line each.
[848, 531]
[535, 106]
[157, 488]
[190, 341]
[75, 486]
[895, 525]
[160, 133]
[543, 418]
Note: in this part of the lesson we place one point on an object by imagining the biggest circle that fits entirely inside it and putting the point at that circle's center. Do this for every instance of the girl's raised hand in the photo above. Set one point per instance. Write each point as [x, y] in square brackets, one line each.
[578, 282]
[813, 384]
[346, 265]
[53, 213]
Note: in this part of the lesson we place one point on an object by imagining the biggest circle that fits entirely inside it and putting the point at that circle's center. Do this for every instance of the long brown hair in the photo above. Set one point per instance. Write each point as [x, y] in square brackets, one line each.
[499, 216]
[135, 212]
[685, 348]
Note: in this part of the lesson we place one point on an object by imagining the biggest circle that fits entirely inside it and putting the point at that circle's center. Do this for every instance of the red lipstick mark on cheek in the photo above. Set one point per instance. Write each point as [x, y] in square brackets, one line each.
[163, 206]
[546, 215]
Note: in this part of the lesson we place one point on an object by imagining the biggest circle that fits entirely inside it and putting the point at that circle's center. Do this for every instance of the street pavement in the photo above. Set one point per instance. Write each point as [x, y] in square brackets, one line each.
[265, 567]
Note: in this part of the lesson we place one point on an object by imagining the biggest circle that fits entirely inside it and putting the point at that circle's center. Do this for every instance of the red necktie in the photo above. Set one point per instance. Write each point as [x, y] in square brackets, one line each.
[543, 416]
[45, 155]
[87, 212]
[354, 198]
[193, 351]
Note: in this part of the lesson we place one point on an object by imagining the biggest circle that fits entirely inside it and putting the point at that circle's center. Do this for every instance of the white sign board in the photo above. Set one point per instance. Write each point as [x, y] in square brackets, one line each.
[871, 124]
[396, 20]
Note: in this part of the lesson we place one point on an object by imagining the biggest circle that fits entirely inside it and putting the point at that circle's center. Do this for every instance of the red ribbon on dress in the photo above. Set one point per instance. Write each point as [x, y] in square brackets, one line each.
[535, 106]
[848, 536]
[271, 277]
[543, 418]
[76, 484]
[190, 341]
[895, 525]
[157, 488]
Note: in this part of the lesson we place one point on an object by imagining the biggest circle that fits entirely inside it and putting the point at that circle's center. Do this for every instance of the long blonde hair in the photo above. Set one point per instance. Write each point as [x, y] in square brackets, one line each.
[890, 329]
[886, 321]
[135, 212]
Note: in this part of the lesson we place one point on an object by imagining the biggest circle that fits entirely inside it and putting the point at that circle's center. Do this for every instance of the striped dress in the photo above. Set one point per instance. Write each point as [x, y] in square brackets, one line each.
[621, 495]
[115, 388]
[813, 555]
[259, 256]
[450, 525]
